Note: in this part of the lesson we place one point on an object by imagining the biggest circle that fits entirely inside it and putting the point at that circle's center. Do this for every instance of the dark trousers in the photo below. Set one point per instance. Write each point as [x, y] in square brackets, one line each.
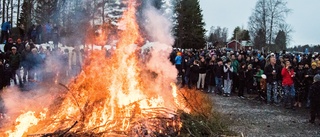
[314, 111]
[241, 87]
[4, 36]
[235, 82]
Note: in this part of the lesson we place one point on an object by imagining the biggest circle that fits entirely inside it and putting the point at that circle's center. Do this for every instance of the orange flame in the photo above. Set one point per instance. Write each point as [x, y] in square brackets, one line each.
[108, 94]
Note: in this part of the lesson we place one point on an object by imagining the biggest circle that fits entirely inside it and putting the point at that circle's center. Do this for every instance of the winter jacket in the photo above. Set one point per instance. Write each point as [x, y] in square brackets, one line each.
[178, 60]
[299, 79]
[218, 71]
[5, 26]
[268, 71]
[287, 76]
[228, 73]
[315, 93]
[202, 67]
[14, 61]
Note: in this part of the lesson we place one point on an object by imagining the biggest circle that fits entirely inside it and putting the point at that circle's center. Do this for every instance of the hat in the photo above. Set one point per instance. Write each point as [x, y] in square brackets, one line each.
[316, 78]
[13, 48]
[314, 64]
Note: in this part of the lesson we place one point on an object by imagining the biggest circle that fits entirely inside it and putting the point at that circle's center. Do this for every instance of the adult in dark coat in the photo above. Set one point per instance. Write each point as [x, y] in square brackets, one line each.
[194, 73]
[315, 99]
[210, 77]
[218, 71]
[14, 61]
[273, 73]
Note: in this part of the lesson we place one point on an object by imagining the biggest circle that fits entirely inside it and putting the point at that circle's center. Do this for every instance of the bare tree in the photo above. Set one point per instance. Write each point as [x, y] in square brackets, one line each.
[3, 10]
[267, 17]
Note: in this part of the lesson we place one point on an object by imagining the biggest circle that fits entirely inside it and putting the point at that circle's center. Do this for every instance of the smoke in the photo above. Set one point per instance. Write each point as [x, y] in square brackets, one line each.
[38, 94]
[158, 29]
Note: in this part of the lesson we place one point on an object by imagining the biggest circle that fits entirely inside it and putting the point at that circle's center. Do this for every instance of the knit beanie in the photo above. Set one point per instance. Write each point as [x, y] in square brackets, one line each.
[316, 78]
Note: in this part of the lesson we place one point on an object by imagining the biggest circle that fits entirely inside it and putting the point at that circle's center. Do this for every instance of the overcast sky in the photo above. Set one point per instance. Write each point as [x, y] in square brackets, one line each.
[304, 18]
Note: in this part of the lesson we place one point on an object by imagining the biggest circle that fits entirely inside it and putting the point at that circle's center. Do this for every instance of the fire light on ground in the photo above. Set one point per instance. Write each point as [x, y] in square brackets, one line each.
[111, 96]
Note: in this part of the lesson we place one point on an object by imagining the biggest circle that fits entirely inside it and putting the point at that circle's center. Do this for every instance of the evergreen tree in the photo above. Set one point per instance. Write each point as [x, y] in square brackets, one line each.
[280, 40]
[46, 11]
[189, 29]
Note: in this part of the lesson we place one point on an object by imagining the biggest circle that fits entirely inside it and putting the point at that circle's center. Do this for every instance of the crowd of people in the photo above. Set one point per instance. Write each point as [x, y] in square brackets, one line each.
[282, 79]
[23, 63]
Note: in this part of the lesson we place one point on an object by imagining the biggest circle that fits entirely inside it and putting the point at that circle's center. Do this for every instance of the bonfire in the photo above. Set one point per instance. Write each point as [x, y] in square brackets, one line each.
[112, 96]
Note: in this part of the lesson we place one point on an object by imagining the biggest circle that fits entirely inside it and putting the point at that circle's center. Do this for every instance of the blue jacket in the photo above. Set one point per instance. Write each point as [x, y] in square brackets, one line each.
[5, 26]
[178, 60]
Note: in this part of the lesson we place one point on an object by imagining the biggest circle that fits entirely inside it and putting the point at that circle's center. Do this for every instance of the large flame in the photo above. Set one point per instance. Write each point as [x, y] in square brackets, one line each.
[108, 95]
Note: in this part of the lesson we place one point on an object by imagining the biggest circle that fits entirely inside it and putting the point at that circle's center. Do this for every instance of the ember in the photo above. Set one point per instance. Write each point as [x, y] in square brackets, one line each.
[111, 96]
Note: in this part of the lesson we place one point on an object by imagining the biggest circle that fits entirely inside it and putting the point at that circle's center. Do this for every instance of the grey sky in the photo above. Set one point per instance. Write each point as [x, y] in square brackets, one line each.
[304, 18]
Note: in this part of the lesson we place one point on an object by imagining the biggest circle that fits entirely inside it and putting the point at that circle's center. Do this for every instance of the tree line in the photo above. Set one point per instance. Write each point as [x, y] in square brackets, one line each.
[266, 26]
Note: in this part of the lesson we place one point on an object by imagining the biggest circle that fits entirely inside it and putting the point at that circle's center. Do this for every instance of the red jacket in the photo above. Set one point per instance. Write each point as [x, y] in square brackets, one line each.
[287, 77]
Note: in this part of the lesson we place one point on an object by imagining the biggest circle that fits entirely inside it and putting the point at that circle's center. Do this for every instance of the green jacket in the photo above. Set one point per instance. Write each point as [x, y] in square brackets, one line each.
[235, 66]
[14, 61]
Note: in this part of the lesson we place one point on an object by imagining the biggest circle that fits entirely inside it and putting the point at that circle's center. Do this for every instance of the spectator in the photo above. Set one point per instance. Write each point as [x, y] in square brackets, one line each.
[5, 31]
[310, 74]
[202, 73]
[194, 73]
[7, 47]
[242, 79]
[228, 70]
[20, 46]
[288, 85]
[210, 75]
[14, 61]
[75, 61]
[315, 99]
[273, 72]
[48, 31]
[299, 83]
[249, 81]
[178, 61]
[218, 71]
[235, 66]
[39, 34]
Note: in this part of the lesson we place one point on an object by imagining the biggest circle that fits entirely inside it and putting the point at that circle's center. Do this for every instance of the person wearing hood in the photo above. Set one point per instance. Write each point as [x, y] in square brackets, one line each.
[315, 99]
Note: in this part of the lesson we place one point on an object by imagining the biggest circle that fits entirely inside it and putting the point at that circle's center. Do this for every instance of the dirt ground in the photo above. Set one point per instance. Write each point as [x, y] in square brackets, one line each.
[253, 118]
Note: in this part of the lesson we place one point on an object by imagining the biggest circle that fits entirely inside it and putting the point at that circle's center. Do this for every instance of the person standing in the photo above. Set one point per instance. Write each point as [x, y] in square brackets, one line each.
[218, 71]
[235, 66]
[288, 75]
[75, 61]
[242, 79]
[5, 31]
[315, 99]
[228, 70]
[299, 83]
[14, 62]
[178, 61]
[202, 73]
[273, 72]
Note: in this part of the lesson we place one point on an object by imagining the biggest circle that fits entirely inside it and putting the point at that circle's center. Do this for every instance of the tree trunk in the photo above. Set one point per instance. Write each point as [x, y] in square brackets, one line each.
[7, 10]
[18, 11]
[3, 10]
[11, 18]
